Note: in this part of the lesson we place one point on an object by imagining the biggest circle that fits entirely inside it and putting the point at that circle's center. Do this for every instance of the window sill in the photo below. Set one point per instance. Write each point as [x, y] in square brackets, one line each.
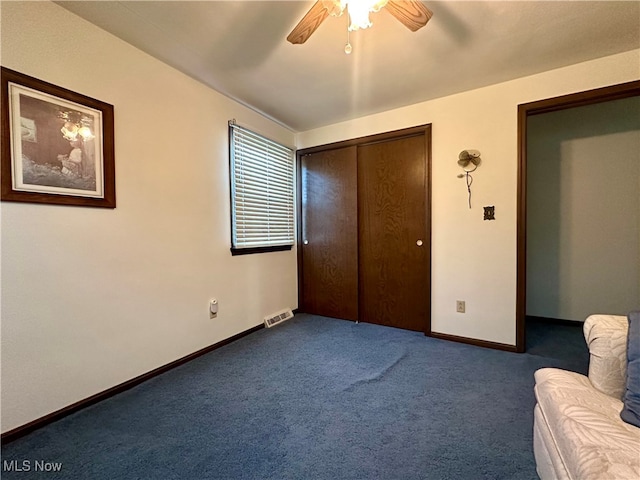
[251, 250]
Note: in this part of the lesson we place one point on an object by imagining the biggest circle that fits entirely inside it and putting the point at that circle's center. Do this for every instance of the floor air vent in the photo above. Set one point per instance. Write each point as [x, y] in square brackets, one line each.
[276, 318]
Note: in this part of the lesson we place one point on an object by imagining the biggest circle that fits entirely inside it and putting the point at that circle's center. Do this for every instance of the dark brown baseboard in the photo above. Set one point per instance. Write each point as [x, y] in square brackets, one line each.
[23, 430]
[554, 321]
[473, 341]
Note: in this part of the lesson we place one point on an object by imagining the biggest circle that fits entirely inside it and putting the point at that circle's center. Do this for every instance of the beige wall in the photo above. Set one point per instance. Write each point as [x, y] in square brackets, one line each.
[475, 260]
[93, 297]
[583, 211]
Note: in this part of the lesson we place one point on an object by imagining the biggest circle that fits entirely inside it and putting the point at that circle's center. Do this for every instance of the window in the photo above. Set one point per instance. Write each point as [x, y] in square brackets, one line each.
[261, 193]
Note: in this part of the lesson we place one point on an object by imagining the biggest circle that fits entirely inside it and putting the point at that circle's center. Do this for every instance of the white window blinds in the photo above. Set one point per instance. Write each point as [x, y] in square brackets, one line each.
[261, 191]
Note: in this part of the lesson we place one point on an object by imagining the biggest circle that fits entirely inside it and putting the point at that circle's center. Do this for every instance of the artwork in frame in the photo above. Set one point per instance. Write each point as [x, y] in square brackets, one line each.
[57, 145]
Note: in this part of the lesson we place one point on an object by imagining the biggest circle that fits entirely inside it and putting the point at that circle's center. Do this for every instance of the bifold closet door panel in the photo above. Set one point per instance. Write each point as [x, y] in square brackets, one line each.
[330, 233]
[393, 252]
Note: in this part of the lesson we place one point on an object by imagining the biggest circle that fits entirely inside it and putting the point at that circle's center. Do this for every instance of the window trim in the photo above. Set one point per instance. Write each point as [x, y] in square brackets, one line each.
[258, 249]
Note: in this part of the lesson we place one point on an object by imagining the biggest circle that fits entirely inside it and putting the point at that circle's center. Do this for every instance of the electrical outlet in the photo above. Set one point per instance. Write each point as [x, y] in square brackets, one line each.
[460, 306]
[213, 308]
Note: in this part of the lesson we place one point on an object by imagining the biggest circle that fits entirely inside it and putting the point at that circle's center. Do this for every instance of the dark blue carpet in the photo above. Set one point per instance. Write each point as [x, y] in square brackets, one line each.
[316, 398]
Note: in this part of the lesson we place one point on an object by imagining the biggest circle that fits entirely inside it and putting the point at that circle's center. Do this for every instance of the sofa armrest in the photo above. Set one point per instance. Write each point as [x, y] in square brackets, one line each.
[606, 337]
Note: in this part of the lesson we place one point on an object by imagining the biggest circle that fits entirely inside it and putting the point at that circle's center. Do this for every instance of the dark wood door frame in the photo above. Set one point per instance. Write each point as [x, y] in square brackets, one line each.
[605, 94]
[367, 140]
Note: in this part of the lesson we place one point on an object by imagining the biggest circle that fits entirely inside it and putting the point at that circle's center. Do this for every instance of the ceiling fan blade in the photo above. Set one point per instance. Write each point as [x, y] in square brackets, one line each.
[411, 13]
[309, 23]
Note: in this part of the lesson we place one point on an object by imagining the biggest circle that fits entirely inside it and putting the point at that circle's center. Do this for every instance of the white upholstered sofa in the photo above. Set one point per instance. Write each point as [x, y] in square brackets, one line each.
[578, 433]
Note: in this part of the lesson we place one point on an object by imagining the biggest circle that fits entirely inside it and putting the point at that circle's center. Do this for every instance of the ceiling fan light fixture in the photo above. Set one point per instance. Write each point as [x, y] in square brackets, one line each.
[359, 12]
[376, 5]
[334, 7]
[413, 14]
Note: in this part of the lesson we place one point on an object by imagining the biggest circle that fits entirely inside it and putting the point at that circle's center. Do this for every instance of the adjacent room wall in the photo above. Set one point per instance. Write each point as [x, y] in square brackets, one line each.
[93, 297]
[475, 260]
[583, 211]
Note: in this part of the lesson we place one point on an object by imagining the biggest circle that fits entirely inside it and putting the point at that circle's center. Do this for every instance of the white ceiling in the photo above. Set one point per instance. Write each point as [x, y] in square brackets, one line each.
[239, 48]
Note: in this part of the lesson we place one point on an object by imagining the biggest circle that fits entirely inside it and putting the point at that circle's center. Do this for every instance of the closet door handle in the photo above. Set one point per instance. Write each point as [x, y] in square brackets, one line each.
[306, 242]
[419, 243]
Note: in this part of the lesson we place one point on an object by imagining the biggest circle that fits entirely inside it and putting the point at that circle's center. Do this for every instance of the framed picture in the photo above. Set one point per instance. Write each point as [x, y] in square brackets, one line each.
[57, 145]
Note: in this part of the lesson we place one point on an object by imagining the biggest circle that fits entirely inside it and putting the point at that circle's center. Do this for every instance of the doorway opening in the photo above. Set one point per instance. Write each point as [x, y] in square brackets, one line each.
[525, 112]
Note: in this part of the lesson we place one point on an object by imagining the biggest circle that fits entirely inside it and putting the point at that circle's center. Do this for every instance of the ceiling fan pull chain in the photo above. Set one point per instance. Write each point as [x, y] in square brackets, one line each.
[347, 47]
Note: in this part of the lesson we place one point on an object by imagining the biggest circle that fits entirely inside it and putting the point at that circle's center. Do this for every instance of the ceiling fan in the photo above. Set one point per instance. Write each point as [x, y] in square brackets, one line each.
[411, 13]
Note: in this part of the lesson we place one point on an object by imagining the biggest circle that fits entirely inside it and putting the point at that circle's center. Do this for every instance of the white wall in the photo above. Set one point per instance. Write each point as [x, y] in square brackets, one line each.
[475, 260]
[92, 297]
[583, 211]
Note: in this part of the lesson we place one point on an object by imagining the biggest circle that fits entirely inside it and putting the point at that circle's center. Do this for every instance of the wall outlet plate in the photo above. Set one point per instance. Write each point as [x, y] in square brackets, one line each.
[460, 306]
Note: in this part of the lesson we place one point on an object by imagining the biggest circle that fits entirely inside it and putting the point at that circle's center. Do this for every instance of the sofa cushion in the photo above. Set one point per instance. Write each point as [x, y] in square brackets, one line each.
[606, 337]
[549, 465]
[590, 438]
[631, 411]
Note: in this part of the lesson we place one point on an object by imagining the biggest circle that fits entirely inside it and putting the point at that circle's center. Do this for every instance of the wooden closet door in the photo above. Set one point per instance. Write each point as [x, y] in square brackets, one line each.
[329, 277]
[394, 248]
